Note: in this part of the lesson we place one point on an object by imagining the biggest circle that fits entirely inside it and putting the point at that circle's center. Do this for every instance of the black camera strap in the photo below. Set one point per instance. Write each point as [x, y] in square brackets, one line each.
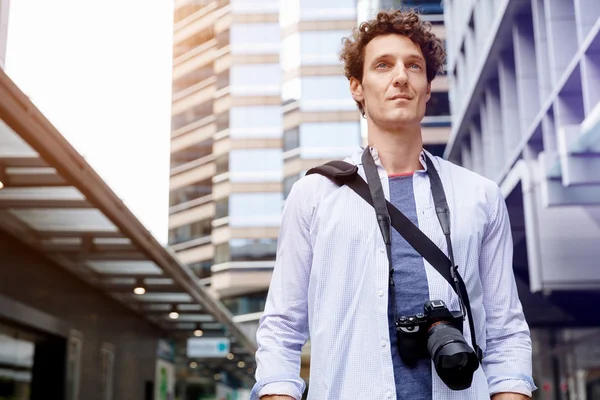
[388, 216]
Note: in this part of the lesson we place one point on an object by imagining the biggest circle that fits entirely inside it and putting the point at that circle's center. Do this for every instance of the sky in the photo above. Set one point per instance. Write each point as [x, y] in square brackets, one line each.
[100, 71]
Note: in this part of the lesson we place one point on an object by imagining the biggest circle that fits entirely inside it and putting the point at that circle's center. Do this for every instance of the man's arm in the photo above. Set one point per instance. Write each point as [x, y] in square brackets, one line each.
[283, 328]
[507, 361]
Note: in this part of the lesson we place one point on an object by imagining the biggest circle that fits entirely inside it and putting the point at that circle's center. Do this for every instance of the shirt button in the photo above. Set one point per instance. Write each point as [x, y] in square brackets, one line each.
[388, 394]
[380, 293]
[383, 343]
[382, 250]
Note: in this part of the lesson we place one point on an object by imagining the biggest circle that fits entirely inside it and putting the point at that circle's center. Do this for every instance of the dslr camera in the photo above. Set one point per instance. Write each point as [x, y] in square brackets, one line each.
[437, 334]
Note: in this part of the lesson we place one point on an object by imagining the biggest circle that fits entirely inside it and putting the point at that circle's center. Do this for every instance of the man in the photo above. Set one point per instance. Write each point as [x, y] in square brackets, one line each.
[331, 280]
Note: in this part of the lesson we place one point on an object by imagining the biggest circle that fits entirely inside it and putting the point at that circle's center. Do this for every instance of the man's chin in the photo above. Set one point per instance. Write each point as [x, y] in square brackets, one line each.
[402, 121]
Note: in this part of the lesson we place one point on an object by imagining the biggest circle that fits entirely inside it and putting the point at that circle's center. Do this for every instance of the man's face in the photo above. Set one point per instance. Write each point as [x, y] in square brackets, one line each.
[394, 89]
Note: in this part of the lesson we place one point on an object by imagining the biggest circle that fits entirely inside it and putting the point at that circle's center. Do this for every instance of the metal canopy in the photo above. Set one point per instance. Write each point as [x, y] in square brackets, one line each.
[55, 202]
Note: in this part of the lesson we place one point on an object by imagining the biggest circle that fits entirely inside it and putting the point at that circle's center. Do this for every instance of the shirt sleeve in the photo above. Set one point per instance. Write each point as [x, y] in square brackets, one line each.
[283, 327]
[507, 359]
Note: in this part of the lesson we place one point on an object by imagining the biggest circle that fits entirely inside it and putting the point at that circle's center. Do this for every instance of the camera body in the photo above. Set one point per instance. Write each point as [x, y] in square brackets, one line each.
[413, 331]
[437, 334]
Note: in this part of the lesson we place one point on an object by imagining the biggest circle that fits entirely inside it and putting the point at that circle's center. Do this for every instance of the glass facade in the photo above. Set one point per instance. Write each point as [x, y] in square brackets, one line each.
[189, 154]
[185, 233]
[192, 115]
[257, 38]
[255, 6]
[311, 48]
[323, 139]
[255, 209]
[319, 93]
[255, 122]
[255, 79]
[422, 6]
[288, 183]
[189, 193]
[329, 134]
[438, 104]
[246, 250]
[247, 304]
[255, 165]
[202, 269]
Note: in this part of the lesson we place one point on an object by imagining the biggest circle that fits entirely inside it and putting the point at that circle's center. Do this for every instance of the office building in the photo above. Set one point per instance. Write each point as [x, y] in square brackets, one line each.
[320, 118]
[259, 97]
[524, 78]
[226, 149]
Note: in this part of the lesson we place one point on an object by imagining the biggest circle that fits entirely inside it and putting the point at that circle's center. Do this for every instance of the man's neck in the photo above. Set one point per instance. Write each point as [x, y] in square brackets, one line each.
[399, 151]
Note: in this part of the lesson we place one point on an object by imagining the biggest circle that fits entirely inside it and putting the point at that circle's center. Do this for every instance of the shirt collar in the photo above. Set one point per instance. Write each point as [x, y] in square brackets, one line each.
[357, 157]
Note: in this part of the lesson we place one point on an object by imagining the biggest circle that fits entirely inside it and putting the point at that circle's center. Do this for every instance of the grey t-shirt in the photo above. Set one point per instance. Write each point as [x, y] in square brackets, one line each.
[412, 291]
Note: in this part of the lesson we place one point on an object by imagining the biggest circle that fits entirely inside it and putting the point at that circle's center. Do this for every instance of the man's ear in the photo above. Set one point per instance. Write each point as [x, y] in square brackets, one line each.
[428, 91]
[356, 90]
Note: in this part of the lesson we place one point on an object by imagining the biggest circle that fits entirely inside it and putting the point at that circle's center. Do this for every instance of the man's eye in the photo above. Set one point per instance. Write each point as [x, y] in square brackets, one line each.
[381, 65]
[415, 66]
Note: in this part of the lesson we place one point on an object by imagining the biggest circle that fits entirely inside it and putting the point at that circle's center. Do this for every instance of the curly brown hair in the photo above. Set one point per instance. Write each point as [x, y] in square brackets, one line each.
[403, 22]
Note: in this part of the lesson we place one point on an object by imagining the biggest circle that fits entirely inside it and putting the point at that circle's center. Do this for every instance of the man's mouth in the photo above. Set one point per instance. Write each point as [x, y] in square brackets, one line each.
[402, 96]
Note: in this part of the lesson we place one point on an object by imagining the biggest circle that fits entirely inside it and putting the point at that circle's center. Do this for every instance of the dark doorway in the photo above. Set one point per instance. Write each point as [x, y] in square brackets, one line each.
[32, 364]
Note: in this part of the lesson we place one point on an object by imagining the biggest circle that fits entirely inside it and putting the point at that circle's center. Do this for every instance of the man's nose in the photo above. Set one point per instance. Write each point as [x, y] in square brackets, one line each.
[401, 77]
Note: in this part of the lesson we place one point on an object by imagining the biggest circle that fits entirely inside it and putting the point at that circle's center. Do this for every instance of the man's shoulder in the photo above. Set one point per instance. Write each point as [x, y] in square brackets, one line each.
[470, 183]
[313, 187]
[465, 176]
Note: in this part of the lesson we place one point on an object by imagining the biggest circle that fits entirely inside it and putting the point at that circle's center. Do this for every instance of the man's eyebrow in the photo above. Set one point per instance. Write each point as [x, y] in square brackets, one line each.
[416, 57]
[410, 57]
[380, 56]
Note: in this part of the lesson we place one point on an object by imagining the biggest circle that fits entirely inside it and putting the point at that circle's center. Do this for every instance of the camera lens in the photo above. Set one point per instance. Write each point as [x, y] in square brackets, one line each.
[454, 360]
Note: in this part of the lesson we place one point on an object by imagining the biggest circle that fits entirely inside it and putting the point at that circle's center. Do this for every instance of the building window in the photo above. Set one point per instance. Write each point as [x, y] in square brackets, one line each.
[221, 208]
[326, 93]
[329, 134]
[258, 38]
[255, 209]
[320, 4]
[290, 51]
[318, 87]
[255, 165]
[323, 139]
[202, 268]
[222, 164]
[255, 79]
[288, 183]
[189, 193]
[255, 7]
[291, 139]
[247, 304]
[421, 6]
[435, 149]
[321, 47]
[189, 232]
[438, 105]
[222, 254]
[252, 249]
[255, 122]
[190, 154]
[291, 91]
[190, 116]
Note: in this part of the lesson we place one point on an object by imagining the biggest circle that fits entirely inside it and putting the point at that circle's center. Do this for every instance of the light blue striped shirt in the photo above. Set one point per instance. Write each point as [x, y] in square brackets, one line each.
[330, 283]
